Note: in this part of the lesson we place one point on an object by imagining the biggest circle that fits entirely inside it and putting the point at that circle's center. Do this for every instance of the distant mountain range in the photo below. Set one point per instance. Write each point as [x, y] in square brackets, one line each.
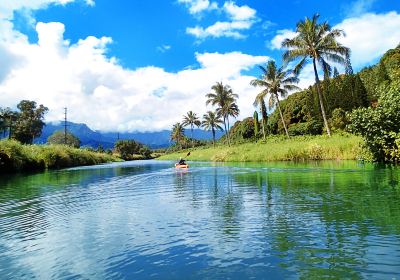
[88, 137]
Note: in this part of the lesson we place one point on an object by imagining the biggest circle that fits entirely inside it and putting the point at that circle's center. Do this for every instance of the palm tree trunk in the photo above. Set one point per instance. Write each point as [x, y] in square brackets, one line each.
[191, 130]
[213, 134]
[262, 120]
[226, 135]
[321, 103]
[280, 113]
[229, 136]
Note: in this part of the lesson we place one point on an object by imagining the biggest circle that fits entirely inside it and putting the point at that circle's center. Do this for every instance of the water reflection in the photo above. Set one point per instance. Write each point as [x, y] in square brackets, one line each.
[147, 220]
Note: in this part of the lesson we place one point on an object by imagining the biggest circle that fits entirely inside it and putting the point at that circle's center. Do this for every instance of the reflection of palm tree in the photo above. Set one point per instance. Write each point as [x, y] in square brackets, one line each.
[211, 121]
[191, 119]
[224, 98]
[317, 42]
[275, 81]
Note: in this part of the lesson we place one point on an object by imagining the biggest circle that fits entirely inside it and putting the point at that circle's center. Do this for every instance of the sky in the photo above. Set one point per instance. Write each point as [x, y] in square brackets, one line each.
[140, 65]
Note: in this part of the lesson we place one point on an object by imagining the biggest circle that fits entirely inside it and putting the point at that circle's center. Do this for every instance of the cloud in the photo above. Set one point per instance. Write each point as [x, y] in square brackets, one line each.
[368, 36]
[163, 48]
[101, 93]
[198, 6]
[7, 8]
[276, 42]
[239, 13]
[359, 7]
[220, 29]
[240, 18]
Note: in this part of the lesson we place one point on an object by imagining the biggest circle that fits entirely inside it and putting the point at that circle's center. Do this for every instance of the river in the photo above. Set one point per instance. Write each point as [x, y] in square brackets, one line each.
[146, 220]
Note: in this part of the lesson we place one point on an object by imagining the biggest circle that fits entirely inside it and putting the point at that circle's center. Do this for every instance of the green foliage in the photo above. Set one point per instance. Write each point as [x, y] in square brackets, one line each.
[278, 148]
[59, 138]
[16, 157]
[29, 123]
[380, 126]
[339, 119]
[130, 149]
[243, 130]
[306, 128]
[256, 124]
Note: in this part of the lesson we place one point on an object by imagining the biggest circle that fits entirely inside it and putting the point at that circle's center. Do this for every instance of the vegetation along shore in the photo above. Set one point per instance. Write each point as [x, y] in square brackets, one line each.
[299, 148]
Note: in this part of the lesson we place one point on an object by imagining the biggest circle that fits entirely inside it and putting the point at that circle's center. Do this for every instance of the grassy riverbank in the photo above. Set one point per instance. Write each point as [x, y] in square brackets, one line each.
[15, 157]
[300, 148]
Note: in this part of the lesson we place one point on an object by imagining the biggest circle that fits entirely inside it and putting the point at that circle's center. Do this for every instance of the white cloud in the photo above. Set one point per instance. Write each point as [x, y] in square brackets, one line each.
[220, 29]
[163, 48]
[359, 7]
[239, 13]
[240, 18]
[7, 7]
[276, 42]
[368, 36]
[100, 92]
[198, 6]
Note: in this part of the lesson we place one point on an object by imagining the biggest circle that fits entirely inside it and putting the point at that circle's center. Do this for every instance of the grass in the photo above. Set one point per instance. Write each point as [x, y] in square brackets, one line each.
[300, 148]
[16, 157]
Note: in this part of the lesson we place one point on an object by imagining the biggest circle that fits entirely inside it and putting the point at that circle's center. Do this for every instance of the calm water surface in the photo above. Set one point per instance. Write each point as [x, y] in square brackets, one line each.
[143, 220]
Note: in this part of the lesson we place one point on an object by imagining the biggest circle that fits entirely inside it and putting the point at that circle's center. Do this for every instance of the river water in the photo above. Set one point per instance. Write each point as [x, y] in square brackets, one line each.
[146, 220]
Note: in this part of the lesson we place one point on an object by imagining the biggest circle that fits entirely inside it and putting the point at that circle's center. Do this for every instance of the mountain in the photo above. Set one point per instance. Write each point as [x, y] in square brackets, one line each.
[88, 137]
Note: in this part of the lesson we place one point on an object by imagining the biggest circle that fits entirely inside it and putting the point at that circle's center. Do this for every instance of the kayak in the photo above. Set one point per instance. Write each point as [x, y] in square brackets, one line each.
[177, 165]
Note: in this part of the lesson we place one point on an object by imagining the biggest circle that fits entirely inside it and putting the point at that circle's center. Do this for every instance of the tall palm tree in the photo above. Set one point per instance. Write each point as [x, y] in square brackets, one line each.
[276, 81]
[191, 119]
[222, 97]
[212, 122]
[177, 133]
[316, 42]
[230, 109]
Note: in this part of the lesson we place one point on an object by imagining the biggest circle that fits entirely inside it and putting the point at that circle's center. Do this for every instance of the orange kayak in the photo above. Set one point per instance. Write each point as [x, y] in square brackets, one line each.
[177, 165]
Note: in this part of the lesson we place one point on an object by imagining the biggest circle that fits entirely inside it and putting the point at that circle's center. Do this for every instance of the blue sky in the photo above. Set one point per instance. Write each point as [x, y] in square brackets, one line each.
[113, 62]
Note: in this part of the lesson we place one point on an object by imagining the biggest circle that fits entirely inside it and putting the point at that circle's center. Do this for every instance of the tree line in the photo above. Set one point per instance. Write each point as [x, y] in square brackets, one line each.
[334, 103]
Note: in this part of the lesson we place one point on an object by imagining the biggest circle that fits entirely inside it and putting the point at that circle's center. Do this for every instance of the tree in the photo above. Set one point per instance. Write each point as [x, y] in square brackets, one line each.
[59, 139]
[192, 120]
[256, 124]
[129, 148]
[224, 98]
[29, 123]
[275, 81]
[316, 42]
[7, 120]
[211, 121]
[177, 133]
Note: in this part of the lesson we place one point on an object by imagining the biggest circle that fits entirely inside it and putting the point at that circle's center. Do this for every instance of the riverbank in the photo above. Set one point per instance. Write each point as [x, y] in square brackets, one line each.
[300, 148]
[16, 157]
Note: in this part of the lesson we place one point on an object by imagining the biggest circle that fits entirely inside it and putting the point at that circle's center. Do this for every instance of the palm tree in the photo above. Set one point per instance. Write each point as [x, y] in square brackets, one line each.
[222, 97]
[230, 109]
[177, 133]
[192, 120]
[316, 42]
[276, 81]
[212, 122]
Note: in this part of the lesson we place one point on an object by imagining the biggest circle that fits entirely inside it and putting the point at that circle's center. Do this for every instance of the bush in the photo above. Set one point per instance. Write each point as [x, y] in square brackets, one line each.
[58, 138]
[131, 150]
[306, 128]
[16, 157]
[380, 126]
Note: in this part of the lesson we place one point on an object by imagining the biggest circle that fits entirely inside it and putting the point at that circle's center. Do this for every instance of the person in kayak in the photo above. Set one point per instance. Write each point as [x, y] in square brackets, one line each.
[182, 161]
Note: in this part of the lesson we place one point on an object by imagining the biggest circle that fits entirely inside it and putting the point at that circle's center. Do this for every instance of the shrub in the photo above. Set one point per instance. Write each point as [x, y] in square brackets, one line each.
[306, 128]
[380, 126]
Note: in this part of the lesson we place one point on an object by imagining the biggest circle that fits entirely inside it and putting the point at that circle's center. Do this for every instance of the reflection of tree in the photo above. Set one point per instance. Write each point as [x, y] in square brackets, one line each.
[319, 219]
